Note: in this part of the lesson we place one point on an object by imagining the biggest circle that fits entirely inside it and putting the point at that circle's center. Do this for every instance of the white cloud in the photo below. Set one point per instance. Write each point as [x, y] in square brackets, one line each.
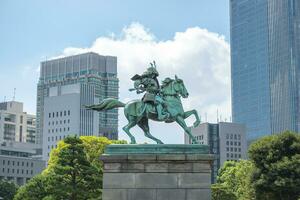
[201, 58]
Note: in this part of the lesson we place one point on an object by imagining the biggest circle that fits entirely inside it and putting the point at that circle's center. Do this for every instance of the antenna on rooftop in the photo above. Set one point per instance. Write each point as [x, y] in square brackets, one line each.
[4, 98]
[14, 94]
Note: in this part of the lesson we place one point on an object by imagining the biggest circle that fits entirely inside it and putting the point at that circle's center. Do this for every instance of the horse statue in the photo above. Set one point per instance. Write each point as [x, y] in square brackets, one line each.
[138, 112]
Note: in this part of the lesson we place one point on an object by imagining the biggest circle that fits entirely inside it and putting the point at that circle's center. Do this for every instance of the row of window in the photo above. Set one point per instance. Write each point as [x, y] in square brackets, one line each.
[18, 163]
[59, 130]
[60, 114]
[18, 171]
[57, 138]
[199, 137]
[233, 143]
[60, 122]
[233, 149]
[233, 155]
[233, 136]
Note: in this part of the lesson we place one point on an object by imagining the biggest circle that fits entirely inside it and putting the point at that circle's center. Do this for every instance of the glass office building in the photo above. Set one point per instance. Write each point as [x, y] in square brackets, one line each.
[265, 65]
[65, 86]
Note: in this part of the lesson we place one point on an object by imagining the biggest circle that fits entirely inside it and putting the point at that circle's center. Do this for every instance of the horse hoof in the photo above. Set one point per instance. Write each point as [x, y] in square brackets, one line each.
[133, 142]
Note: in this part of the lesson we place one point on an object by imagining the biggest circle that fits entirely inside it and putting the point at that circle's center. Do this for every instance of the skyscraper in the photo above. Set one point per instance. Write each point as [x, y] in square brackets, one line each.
[65, 86]
[265, 55]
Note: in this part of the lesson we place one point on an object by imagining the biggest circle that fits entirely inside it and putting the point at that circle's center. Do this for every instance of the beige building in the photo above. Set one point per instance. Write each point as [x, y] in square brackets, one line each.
[15, 124]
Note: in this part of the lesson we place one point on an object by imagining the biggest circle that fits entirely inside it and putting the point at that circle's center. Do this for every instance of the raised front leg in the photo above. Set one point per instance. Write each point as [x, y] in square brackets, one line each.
[181, 122]
[195, 113]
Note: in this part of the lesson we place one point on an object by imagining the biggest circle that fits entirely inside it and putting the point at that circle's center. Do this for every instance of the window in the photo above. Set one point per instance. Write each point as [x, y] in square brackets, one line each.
[231, 143]
[18, 163]
[64, 121]
[49, 115]
[69, 112]
[227, 136]
[31, 164]
[53, 114]
[65, 113]
[56, 114]
[13, 163]
[8, 162]
[235, 137]
[3, 162]
[227, 142]
[60, 113]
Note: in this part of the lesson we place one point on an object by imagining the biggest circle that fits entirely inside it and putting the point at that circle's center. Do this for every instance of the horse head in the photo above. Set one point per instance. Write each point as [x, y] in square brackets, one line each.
[175, 87]
[180, 87]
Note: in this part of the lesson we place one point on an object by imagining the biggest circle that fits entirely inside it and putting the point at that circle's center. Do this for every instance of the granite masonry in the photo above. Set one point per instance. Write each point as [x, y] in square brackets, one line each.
[157, 172]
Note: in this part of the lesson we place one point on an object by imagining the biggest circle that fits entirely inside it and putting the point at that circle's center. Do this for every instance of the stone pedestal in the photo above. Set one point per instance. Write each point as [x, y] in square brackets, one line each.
[157, 172]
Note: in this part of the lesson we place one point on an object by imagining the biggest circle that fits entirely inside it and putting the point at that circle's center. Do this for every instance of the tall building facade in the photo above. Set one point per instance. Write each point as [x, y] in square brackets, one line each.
[15, 124]
[65, 86]
[227, 141]
[265, 58]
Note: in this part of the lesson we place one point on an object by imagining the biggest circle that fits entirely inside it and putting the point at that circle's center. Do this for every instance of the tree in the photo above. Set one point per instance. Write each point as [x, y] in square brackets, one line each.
[277, 166]
[7, 189]
[234, 181]
[35, 189]
[74, 171]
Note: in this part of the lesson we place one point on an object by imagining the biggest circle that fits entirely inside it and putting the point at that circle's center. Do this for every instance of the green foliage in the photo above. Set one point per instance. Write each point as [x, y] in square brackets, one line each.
[234, 181]
[7, 189]
[222, 192]
[35, 189]
[74, 171]
[277, 166]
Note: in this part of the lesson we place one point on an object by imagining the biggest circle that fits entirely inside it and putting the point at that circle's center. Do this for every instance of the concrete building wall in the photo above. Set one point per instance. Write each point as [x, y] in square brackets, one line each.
[93, 77]
[227, 141]
[15, 124]
[19, 169]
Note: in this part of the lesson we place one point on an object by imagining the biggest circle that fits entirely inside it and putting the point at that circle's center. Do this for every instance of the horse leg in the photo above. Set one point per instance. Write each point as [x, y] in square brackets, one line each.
[195, 113]
[143, 124]
[181, 122]
[131, 123]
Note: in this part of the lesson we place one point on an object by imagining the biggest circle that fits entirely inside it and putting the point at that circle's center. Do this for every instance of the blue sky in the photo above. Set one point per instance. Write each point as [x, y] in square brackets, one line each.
[32, 30]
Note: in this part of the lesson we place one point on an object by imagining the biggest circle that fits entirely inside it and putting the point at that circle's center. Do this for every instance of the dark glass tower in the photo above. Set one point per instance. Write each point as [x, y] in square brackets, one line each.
[265, 65]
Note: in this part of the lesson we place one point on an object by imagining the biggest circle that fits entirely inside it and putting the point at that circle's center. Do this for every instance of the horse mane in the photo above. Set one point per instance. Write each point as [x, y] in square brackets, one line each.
[165, 84]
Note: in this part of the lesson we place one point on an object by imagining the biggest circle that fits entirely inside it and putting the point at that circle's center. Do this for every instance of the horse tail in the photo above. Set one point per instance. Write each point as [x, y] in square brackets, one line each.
[106, 104]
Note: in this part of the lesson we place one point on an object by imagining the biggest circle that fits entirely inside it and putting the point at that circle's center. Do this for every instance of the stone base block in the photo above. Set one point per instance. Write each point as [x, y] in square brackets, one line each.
[182, 174]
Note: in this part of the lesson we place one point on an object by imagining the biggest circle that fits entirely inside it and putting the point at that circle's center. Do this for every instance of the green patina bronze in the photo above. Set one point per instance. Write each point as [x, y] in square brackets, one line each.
[121, 149]
[159, 103]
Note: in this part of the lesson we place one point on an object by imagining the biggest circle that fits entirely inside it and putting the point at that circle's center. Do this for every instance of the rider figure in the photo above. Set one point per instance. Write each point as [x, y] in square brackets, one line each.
[148, 82]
